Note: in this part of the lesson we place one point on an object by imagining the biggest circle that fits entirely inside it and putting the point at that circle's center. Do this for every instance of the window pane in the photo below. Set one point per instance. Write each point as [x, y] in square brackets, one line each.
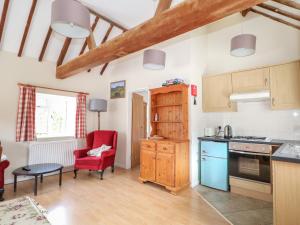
[55, 115]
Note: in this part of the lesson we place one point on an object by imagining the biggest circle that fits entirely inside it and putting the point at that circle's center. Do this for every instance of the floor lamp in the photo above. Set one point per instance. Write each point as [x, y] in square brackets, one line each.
[98, 105]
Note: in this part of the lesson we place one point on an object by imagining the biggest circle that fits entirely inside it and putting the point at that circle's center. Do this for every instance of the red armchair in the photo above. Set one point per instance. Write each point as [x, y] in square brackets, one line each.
[94, 140]
[3, 165]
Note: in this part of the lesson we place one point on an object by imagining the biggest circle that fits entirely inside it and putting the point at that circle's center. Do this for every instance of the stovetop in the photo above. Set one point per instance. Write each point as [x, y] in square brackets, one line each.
[251, 138]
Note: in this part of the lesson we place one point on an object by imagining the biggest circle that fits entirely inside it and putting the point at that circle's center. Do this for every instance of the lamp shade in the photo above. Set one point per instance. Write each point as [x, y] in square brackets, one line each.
[70, 18]
[98, 105]
[243, 45]
[154, 59]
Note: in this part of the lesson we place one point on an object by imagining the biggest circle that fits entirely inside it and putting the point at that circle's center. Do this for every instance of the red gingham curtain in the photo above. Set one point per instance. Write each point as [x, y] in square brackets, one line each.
[80, 130]
[26, 114]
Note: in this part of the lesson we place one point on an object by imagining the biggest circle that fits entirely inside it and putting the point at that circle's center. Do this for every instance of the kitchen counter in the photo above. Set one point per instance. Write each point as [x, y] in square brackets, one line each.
[221, 139]
[289, 150]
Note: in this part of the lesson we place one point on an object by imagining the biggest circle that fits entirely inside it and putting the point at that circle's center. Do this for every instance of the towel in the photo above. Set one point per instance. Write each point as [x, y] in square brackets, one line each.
[98, 151]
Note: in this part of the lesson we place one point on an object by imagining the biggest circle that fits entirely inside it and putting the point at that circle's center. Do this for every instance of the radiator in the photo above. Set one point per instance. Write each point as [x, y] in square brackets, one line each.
[52, 152]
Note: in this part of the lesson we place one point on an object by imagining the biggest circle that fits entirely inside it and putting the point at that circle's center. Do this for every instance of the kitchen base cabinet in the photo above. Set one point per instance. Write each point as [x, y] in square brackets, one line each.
[286, 193]
[166, 163]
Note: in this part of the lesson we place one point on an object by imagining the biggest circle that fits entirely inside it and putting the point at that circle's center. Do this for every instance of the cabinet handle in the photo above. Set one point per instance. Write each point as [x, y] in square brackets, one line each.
[164, 148]
[203, 159]
[204, 151]
[273, 101]
[266, 82]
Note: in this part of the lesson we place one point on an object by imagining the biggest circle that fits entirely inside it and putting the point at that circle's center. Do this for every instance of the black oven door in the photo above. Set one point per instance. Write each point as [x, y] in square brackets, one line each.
[250, 165]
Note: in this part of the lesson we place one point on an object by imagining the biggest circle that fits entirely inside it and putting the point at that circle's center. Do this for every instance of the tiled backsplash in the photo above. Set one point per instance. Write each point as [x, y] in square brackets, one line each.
[257, 119]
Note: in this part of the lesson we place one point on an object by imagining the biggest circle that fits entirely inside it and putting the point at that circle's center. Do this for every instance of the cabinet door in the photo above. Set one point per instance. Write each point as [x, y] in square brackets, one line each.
[165, 169]
[285, 86]
[250, 81]
[216, 92]
[148, 162]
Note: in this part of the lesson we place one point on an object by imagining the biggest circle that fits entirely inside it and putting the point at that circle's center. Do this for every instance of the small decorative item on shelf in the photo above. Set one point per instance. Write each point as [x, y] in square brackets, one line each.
[156, 137]
[173, 82]
[156, 117]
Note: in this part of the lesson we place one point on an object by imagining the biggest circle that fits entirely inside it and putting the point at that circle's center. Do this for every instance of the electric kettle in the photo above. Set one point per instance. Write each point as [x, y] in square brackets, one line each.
[227, 131]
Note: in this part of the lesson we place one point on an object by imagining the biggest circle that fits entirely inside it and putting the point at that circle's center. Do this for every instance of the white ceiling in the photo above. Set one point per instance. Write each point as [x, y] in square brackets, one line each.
[128, 13]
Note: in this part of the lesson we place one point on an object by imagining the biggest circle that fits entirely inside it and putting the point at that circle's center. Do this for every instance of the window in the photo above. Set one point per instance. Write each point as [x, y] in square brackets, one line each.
[55, 116]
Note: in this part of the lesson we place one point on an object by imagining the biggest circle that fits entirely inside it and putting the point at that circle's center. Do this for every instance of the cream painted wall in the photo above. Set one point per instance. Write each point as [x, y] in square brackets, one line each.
[26, 70]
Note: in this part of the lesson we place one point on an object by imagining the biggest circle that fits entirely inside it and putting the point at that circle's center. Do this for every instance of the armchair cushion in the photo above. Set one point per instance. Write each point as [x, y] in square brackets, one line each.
[103, 137]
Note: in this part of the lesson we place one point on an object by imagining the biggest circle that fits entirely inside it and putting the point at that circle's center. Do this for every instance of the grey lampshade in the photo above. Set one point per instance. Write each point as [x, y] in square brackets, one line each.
[154, 59]
[70, 18]
[98, 105]
[243, 45]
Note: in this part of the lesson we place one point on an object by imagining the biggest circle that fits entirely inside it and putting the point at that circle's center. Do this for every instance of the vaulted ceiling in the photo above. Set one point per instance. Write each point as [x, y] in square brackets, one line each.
[33, 38]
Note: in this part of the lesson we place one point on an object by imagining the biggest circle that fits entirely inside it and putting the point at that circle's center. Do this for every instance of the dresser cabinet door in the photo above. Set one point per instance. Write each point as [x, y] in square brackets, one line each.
[148, 162]
[165, 169]
[285, 86]
[251, 80]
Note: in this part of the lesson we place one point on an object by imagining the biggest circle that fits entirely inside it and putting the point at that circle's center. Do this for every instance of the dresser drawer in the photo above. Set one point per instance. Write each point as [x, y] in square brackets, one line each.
[166, 147]
[148, 145]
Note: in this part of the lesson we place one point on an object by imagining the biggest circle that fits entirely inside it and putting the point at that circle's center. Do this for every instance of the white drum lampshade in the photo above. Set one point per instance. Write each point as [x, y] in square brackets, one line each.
[243, 45]
[98, 105]
[154, 59]
[70, 18]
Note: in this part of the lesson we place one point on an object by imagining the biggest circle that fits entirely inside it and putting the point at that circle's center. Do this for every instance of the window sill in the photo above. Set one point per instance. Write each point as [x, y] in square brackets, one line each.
[55, 139]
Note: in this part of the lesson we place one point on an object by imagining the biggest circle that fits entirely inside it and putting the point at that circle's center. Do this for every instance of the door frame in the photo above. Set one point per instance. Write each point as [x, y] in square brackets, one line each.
[128, 157]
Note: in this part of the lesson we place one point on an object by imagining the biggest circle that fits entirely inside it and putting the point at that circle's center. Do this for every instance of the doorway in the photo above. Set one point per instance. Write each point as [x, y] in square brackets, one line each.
[139, 124]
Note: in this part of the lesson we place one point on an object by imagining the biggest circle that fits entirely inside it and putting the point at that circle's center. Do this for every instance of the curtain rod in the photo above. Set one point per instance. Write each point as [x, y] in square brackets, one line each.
[54, 89]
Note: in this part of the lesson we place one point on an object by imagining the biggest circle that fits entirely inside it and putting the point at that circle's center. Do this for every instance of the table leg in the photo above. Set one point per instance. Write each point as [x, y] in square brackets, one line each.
[60, 177]
[35, 185]
[15, 183]
[42, 177]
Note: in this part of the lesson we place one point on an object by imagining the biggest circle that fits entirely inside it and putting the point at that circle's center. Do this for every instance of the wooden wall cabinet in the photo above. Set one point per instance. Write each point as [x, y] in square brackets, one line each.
[286, 193]
[216, 92]
[285, 86]
[166, 161]
[251, 80]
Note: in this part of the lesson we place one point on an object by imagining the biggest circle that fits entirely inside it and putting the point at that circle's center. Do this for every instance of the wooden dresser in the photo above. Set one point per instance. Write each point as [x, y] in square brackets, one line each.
[166, 161]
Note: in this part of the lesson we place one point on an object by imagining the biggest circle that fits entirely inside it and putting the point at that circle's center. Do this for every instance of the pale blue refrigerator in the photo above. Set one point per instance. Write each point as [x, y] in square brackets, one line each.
[214, 164]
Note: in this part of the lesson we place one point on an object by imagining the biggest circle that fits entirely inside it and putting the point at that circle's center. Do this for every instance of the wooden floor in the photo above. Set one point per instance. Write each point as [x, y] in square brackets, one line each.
[118, 199]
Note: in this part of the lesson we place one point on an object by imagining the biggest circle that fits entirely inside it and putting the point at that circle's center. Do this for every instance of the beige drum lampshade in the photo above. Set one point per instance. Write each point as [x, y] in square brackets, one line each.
[243, 45]
[154, 59]
[70, 18]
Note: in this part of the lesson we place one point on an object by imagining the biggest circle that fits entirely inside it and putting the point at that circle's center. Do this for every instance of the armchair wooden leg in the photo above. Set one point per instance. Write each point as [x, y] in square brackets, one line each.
[101, 174]
[1, 194]
[75, 174]
[113, 168]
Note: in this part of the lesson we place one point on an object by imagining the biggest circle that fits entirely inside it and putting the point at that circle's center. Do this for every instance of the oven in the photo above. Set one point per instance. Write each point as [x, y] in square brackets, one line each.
[250, 161]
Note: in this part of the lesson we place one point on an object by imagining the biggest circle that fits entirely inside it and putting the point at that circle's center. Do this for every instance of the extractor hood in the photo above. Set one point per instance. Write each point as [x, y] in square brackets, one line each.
[250, 96]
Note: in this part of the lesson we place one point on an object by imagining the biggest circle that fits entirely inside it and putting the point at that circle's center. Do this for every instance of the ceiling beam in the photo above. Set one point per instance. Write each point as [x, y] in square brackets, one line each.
[108, 20]
[45, 44]
[186, 16]
[275, 18]
[26, 30]
[289, 3]
[162, 6]
[3, 17]
[279, 11]
[63, 51]
[93, 28]
[105, 38]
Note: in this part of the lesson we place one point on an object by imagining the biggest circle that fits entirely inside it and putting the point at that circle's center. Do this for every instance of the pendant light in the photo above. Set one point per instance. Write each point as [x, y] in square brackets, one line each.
[154, 59]
[243, 45]
[70, 18]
